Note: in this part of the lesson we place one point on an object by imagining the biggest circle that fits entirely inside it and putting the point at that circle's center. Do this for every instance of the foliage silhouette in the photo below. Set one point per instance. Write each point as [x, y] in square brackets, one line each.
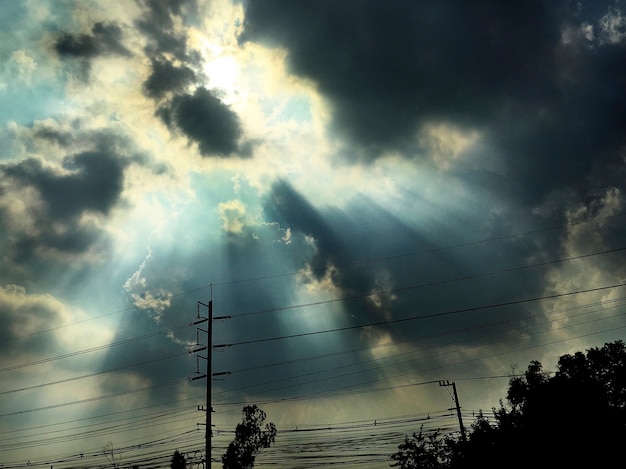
[249, 440]
[423, 451]
[178, 461]
[575, 418]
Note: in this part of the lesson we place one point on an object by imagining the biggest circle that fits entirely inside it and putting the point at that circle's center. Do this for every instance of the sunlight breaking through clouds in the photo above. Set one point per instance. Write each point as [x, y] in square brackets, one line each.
[376, 196]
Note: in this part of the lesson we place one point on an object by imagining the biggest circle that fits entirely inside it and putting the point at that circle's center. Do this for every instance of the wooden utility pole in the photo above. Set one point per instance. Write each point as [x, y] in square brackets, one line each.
[457, 406]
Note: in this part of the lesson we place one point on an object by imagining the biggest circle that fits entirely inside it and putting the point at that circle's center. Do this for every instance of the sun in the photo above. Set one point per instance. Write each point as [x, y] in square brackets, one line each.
[220, 65]
[222, 71]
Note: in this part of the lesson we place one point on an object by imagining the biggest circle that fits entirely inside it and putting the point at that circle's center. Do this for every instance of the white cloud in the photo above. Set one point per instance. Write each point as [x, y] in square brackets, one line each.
[233, 215]
[585, 273]
[31, 314]
[18, 71]
[445, 144]
[137, 286]
[379, 297]
[613, 27]
[28, 314]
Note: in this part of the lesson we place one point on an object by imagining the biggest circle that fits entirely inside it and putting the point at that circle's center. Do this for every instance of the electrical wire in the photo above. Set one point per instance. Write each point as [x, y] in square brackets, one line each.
[93, 399]
[386, 359]
[430, 336]
[91, 375]
[352, 391]
[94, 349]
[128, 392]
[421, 252]
[425, 316]
[311, 270]
[353, 388]
[397, 290]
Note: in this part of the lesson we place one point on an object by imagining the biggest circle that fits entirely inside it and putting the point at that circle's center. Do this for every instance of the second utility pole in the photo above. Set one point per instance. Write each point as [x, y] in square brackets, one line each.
[457, 406]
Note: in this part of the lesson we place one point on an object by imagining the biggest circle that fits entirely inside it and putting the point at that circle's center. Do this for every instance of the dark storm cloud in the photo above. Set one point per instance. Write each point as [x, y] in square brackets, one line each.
[134, 325]
[388, 66]
[204, 119]
[174, 68]
[104, 39]
[165, 77]
[406, 274]
[88, 182]
[554, 109]
[161, 13]
[291, 209]
[20, 316]
[158, 24]
[61, 138]
[339, 246]
[93, 183]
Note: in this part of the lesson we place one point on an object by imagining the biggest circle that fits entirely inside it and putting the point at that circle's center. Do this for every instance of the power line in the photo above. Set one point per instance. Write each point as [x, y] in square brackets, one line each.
[91, 375]
[431, 336]
[108, 414]
[337, 391]
[92, 399]
[151, 387]
[171, 416]
[139, 338]
[387, 358]
[491, 376]
[390, 291]
[430, 284]
[388, 430]
[175, 382]
[473, 378]
[425, 316]
[287, 274]
[93, 349]
[87, 455]
[425, 251]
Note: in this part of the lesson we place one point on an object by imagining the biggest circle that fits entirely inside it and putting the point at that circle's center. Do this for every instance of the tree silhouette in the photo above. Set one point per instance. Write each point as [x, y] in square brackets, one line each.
[423, 451]
[178, 461]
[249, 440]
[575, 418]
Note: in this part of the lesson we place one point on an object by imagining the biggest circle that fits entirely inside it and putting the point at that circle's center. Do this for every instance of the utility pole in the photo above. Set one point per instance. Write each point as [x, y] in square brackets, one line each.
[209, 384]
[209, 369]
[457, 406]
[209, 376]
[198, 375]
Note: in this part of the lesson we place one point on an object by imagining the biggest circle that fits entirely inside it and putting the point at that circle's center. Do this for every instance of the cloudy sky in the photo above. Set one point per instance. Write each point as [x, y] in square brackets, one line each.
[380, 195]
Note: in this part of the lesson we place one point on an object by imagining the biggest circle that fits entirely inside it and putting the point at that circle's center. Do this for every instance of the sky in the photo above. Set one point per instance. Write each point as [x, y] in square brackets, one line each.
[380, 199]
